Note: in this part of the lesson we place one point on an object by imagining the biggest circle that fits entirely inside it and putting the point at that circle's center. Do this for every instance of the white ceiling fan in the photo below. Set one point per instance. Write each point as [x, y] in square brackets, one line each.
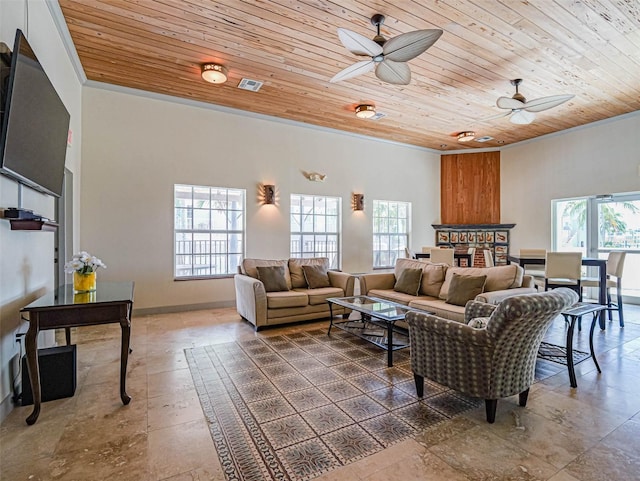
[523, 112]
[388, 57]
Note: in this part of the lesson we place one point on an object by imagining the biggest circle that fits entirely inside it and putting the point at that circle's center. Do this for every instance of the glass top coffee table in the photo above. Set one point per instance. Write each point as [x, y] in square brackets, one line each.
[377, 324]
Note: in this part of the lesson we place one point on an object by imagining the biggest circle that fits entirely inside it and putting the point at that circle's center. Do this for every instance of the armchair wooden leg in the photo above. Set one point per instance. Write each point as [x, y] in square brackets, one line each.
[523, 396]
[491, 405]
[419, 380]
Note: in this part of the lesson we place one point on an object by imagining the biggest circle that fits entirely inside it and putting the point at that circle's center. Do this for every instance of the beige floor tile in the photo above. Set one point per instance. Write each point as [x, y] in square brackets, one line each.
[424, 466]
[173, 408]
[178, 381]
[182, 448]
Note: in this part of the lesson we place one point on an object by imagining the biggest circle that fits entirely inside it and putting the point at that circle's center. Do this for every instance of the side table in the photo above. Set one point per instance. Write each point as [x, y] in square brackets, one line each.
[554, 353]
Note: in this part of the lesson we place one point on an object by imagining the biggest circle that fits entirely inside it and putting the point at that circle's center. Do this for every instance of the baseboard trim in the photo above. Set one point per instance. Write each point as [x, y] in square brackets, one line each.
[183, 307]
[6, 406]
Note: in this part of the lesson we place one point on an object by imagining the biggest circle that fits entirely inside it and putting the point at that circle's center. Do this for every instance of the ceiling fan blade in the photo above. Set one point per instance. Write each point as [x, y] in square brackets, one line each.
[522, 117]
[509, 103]
[358, 44]
[354, 70]
[409, 45]
[493, 117]
[544, 103]
[393, 72]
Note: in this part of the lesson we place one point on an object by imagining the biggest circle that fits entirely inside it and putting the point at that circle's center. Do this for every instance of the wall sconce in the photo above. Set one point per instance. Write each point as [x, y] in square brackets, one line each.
[357, 202]
[214, 73]
[268, 194]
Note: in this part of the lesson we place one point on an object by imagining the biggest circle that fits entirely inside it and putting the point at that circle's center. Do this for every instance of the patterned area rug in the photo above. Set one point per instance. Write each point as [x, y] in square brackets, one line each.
[294, 406]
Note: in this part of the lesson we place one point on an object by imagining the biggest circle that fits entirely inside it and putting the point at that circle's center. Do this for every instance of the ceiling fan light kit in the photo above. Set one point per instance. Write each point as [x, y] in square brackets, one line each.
[214, 73]
[365, 111]
[387, 57]
[466, 136]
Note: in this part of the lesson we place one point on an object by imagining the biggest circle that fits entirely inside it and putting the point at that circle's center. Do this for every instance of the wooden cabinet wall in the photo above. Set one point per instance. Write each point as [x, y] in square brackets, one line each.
[470, 188]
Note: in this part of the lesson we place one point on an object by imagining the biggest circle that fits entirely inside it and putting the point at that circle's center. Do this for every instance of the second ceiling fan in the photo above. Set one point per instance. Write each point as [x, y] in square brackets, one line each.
[388, 57]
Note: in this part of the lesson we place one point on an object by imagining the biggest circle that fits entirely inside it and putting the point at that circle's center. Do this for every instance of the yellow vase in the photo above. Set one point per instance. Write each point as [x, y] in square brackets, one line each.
[84, 282]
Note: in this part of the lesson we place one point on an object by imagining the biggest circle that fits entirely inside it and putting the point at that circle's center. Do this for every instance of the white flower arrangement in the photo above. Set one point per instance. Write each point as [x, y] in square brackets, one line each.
[83, 263]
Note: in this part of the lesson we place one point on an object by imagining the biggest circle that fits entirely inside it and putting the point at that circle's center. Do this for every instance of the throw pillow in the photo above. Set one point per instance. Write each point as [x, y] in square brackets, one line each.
[316, 276]
[409, 281]
[479, 322]
[464, 288]
[273, 278]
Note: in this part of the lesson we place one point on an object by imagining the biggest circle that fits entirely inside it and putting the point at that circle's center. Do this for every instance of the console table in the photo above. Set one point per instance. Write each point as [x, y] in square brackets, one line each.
[111, 302]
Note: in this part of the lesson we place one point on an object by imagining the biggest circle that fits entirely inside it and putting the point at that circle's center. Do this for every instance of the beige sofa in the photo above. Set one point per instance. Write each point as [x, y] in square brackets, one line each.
[298, 302]
[501, 282]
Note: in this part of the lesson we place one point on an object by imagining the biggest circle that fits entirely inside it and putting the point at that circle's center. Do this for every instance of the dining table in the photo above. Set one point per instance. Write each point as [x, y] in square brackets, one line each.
[601, 264]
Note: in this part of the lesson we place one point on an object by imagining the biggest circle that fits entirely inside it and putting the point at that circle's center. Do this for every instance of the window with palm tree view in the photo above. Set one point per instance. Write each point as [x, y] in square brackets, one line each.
[598, 225]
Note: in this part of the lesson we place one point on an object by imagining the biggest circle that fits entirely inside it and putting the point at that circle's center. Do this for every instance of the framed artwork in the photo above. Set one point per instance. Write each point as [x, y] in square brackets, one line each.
[489, 237]
[502, 236]
[501, 250]
[480, 237]
[471, 237]
[442, 236]
[462, 238]
[453, 237]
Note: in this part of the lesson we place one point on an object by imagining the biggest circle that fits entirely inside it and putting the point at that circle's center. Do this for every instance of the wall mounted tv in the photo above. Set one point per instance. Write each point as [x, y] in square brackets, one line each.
[35, 123]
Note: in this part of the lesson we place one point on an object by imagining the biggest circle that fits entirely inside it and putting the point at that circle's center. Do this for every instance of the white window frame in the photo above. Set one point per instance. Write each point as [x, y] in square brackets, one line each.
[390, 227]
[217, 245]
[313, 242]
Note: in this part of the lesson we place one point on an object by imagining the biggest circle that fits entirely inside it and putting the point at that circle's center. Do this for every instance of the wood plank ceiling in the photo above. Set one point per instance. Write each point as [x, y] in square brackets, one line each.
[590, 48]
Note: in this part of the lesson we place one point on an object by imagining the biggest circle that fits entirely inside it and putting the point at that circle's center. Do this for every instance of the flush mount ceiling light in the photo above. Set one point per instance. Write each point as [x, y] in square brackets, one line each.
[214, 73]
[466, 136]
[365, 111]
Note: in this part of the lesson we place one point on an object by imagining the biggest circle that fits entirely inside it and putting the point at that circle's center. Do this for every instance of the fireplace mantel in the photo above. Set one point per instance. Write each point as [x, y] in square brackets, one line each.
[494, 237]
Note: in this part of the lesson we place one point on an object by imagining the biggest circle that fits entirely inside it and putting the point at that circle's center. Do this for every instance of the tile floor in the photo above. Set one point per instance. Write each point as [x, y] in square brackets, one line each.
[586, 434]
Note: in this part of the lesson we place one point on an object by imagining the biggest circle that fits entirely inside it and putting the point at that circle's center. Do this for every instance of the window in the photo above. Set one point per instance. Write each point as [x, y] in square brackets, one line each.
[209, 230]
[391, 228]
[597, 225]
[315, 227]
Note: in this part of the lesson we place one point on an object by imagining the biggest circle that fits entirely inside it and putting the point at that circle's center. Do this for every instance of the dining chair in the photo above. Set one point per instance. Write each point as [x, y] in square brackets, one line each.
[427, 249]
[615, 266]
[472, 252]
[488, 258]
[442, 256]
[563, 269]
[534, 270]
[409, 253]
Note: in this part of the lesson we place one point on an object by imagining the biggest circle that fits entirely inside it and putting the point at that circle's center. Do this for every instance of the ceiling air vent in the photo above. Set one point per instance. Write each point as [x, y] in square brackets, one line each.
[378, 116]
[486, 138]
[248, 84]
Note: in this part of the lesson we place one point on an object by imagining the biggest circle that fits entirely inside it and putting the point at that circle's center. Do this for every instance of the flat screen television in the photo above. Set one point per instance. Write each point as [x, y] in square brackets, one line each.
[35, 123]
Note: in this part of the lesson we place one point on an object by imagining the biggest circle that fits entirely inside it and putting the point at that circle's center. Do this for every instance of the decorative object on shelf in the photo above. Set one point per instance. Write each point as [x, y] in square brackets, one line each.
[83, 266]
[365, 111]
[314, 176]
[357, 202]
[214, 73]
[268, 194]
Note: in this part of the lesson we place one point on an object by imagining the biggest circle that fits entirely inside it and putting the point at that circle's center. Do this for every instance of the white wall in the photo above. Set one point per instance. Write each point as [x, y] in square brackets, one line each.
[27, 258]
[603, 158]
[135, 149]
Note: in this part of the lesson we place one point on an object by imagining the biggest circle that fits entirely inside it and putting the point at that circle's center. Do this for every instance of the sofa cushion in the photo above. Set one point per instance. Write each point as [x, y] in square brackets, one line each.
[282, 299]
[409, 281]
[316, 276]
[320, 295]
[297, 274]
[391, 295]
[464, 288]
[273, 278]
[439, 308]
[249, 267]
[498, 278]
[432, 278]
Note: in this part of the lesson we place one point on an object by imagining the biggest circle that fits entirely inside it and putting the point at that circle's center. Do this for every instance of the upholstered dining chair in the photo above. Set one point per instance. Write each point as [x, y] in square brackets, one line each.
[488, 258]
[615, 266]
[409, 253]
[563, 269]
[535, 270]
[427, 249]
[493, 361]
[442, 256]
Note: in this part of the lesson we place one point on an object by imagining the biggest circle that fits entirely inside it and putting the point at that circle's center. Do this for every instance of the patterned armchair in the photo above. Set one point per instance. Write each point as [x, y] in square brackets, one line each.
[492, 362]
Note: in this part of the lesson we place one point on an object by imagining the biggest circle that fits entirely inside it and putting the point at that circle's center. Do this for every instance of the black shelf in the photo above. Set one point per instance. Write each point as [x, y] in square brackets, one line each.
[33, 224]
